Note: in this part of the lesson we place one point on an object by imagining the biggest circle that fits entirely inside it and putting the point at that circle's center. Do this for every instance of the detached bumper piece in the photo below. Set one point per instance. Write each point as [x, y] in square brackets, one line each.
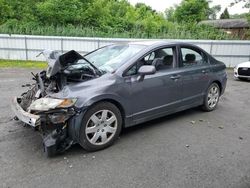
[56, 142]
[28, 118]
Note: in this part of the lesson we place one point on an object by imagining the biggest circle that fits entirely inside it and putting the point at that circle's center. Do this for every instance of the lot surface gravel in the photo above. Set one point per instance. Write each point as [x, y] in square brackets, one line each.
[191, 149]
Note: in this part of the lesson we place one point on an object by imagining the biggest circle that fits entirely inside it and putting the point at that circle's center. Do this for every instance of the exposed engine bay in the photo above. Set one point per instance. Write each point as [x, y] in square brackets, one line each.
[54, 113]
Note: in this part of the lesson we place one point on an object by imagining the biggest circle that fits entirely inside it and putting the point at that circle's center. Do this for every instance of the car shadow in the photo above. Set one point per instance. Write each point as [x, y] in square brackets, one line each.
[76, 149]
[162, 121]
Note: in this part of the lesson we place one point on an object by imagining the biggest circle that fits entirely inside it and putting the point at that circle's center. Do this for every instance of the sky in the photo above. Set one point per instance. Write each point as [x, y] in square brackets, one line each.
[161, 5]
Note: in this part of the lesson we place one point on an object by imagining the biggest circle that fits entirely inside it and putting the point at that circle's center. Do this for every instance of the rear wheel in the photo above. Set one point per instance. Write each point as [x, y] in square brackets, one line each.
[211, 98]
[101, 126]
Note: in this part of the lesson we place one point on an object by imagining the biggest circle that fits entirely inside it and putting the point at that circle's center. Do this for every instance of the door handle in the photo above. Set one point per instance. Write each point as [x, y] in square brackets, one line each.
[204, 71]
[175, 77]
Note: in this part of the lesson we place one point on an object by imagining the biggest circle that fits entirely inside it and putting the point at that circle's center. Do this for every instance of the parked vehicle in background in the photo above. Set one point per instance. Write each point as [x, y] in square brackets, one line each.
[89, 99]
[242, 71]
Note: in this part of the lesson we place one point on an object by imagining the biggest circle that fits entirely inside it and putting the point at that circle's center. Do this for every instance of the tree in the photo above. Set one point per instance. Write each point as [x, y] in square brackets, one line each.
[60, 12]
[246, 5]
[213, 11]
[236, 16]
[191, 11]
[225, 14]
[169, 14]
[5, 11]
[146, 7]
[22, 10]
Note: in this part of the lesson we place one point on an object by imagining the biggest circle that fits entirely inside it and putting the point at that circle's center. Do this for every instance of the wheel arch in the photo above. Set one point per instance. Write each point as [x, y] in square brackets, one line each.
[219, 84]
[75, 122]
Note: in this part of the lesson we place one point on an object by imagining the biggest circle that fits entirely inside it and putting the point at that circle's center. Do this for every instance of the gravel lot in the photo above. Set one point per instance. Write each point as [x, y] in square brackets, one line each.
[188, 149]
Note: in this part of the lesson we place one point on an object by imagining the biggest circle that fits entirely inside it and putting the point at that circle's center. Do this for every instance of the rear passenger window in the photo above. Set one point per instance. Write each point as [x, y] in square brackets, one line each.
[192, 57]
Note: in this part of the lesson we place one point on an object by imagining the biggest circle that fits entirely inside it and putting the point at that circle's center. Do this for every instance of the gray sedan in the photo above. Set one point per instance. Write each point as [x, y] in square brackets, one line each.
[89, 99]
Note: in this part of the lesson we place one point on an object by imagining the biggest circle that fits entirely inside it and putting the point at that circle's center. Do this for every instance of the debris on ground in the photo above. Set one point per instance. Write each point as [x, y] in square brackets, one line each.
[221, 127]
[234, 125]
[192, 122]
[93, 157]
[70, 166]
[240, 138]
[187, 146]
[10, 131]
[201, 120]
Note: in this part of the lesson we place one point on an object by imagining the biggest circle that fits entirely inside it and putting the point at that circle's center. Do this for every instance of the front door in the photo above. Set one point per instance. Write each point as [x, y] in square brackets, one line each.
[159, 93]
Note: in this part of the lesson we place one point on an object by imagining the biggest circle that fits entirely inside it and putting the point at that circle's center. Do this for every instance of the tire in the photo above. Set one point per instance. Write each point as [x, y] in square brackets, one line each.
[211, 98]
[102, 119]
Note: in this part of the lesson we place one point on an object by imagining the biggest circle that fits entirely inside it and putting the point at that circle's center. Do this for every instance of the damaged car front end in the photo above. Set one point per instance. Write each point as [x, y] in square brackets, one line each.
[39, 108]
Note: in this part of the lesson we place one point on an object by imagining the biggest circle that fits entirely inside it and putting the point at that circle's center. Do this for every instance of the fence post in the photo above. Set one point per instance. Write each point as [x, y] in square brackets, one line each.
[211, 48]
[62, 45]
[98, 43]
[26, 48]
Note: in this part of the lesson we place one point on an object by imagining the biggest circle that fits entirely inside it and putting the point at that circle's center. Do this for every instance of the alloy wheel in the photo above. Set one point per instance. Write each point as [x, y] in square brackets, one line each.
[101, 127]
[213, 96]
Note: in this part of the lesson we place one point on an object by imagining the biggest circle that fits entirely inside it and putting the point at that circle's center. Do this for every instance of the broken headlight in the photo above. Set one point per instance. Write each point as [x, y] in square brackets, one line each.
[45, 104]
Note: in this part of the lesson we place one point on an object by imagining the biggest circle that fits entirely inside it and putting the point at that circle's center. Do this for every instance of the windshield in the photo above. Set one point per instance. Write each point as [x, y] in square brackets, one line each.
[109, 58]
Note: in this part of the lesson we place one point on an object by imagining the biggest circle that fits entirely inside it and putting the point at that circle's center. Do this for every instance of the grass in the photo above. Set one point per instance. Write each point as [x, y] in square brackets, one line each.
[22, 64]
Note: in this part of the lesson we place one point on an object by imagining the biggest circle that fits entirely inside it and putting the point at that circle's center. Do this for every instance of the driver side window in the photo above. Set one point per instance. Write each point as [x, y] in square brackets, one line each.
[162, 59]
[149, 58]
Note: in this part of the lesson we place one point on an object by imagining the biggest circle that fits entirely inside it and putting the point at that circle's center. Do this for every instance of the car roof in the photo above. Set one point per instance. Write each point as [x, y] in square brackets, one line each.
[151, 42]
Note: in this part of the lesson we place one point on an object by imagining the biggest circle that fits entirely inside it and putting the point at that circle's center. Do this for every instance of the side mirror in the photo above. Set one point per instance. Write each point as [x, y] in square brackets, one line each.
[145, 70]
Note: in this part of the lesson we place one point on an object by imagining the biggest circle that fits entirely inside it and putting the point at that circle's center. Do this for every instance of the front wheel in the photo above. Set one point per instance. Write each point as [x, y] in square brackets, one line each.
[101, 126]
[211, 98]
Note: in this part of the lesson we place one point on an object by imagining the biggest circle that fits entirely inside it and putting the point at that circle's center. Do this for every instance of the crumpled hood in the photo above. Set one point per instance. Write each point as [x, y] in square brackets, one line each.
[85, 90]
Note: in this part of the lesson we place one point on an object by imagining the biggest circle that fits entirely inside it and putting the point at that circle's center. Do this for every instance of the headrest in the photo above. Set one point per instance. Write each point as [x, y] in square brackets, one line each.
[189, 57]
[168, 59]
[157, 61]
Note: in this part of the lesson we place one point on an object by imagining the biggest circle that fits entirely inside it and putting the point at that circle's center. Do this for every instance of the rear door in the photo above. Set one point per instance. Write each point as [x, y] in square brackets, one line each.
[195, 72]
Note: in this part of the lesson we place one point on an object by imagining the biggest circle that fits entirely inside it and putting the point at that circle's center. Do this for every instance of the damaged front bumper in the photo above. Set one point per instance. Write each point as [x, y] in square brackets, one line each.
[28, 118]
[52, 124]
